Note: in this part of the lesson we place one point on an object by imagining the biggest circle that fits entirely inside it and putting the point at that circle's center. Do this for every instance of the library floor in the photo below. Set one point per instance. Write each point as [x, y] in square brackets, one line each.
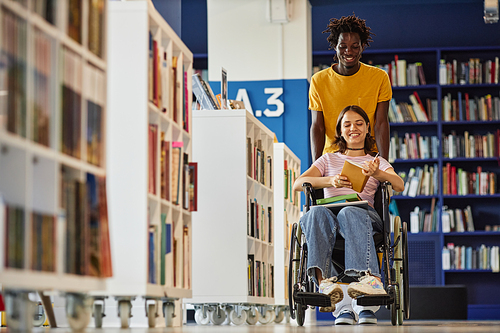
[321, 326]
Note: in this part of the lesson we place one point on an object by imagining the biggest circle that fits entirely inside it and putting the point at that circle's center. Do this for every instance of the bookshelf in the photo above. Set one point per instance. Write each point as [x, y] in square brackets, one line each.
[286, 212]
[234, 152]
[149, 145]
[452, 98]
[53, 73]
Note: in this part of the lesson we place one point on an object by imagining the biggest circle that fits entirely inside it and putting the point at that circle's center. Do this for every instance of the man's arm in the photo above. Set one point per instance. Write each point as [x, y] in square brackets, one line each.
[317, 133]
[382, 130]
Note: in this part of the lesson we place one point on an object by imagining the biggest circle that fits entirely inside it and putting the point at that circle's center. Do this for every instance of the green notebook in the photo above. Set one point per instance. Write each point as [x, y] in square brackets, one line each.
[339, 198]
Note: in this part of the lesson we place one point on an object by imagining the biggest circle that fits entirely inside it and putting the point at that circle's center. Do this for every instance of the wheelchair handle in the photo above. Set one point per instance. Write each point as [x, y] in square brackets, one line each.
[308, 190]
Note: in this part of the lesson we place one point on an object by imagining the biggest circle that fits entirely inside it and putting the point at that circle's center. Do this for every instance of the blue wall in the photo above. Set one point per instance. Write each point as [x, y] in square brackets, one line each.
[399, 24]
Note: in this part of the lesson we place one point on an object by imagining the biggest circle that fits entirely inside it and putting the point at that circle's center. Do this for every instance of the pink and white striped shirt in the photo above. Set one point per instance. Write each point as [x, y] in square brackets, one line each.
[330, 164]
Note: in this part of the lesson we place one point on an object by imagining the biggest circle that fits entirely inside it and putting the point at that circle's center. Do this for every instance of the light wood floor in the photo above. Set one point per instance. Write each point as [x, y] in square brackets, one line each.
[321, 326]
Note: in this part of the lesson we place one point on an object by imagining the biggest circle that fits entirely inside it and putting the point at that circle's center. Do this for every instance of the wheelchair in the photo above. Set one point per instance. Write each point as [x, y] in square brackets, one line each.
[393, 259]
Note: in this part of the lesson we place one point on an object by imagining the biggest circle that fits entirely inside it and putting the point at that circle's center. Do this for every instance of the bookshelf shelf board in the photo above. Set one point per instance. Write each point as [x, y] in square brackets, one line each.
[468, 86]
[472, 196]
[477, 233]
[419, 87]
[418, 197]
[475, 160]
[413, 161]
[462, 271]
[410, 123]
[475, 122]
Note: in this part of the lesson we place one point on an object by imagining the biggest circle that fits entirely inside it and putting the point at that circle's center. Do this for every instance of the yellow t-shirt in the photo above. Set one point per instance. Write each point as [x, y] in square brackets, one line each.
[331, 92]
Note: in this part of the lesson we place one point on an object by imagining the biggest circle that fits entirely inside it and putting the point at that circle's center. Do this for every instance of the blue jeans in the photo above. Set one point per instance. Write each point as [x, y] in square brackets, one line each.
[356, 225]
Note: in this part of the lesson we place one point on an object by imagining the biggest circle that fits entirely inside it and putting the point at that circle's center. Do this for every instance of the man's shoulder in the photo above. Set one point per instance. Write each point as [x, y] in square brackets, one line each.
[373, 70]
[323, 74]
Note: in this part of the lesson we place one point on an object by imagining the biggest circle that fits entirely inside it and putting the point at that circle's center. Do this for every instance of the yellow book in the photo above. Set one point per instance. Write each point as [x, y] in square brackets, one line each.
[352, 170]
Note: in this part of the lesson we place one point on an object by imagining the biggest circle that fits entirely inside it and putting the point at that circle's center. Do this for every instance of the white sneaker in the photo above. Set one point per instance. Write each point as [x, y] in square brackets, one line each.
[331, 288]
[367, 285]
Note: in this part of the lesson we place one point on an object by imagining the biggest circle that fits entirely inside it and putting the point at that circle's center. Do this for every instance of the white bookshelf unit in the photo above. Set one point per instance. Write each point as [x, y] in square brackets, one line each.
[52, 110]
[287, 212]
[152, 226]
[226, 145]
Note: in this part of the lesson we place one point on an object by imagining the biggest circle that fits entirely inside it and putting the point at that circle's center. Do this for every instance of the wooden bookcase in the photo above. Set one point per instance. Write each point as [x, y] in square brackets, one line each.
[287, 211]
[425, 248]
[53, 111]
[149, 119]
[233, 181]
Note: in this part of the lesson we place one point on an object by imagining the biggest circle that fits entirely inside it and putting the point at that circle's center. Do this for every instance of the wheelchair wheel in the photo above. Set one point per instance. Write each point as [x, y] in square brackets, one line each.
[393, 292]
[291, 271]
[406, 279]
[398, 270]
[301, 314]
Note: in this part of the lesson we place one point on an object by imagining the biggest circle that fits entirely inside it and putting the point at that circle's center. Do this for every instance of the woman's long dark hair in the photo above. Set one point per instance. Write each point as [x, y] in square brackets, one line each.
[340, 141]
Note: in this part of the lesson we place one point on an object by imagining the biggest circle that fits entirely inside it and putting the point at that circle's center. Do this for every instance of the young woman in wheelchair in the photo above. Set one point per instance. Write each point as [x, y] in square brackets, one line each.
[356, 225]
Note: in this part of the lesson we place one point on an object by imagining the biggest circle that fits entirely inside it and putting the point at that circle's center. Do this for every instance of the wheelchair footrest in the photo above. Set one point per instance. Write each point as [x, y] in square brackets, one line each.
[370, 300]
[312, 299]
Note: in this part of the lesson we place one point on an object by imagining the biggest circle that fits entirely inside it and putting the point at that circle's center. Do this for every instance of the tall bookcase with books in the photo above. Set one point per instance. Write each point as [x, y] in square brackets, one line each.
[286, 212]
[453, 150]
[233, 248]
[54, 222]
[149, 150]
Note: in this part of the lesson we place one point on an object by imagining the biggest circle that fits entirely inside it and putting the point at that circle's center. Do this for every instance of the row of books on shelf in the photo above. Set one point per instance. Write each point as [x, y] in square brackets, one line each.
[259, 163]
[178, 176]
[413, 146]
[43, 239]
[415, 111]
[402, 74]
[42, 79]
[290, 175]
[420, 181]
[260, 222]
[457, 181]
[165, 85]
[471, 145]
[474, 71]
[74, 73]
[47, 9]
[462, 257]
[260, 278]
[13, 62]
[457, 220]
[422, 220]
[171, 251]
[470, 108]
[87, 229]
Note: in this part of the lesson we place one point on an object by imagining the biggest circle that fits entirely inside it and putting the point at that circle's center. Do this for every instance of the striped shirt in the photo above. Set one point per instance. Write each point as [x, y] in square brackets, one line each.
[330, 164]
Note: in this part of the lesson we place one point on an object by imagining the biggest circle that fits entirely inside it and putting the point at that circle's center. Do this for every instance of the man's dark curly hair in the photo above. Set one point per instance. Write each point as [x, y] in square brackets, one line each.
[348, 24]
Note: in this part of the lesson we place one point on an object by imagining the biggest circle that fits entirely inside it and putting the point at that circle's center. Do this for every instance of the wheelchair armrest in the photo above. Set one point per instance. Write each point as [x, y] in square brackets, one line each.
[308, 190]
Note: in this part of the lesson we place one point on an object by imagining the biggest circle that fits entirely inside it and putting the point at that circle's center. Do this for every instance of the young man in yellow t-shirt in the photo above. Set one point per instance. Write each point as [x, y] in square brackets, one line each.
[348, 82]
